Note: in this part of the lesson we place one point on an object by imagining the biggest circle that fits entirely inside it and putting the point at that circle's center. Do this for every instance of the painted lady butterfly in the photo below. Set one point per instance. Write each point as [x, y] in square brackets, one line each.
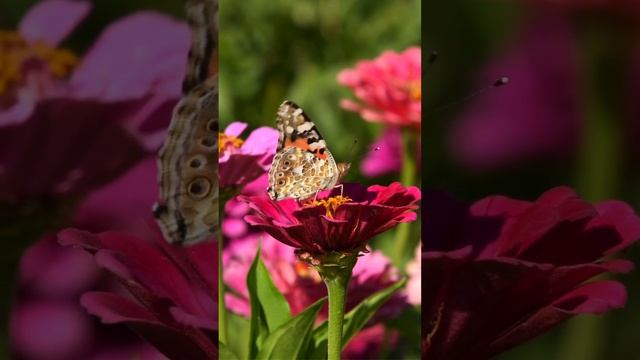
[188, 170]
[303, 165]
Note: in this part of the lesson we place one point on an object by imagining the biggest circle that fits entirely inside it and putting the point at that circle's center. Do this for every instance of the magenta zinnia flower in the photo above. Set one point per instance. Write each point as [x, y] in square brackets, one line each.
[385, 154]
[171, 298]
[388, 88]
[505, 270]
[83, 131]
[337, 224]
[242, 161]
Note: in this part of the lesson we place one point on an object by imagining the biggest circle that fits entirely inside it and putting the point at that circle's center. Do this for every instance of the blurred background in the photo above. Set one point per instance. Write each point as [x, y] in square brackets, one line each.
[287, 49]
[569, 116]
[79, 151]
[78, 142]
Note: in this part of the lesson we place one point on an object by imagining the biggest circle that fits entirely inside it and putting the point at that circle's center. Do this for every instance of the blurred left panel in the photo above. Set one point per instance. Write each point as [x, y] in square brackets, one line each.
[108, 179]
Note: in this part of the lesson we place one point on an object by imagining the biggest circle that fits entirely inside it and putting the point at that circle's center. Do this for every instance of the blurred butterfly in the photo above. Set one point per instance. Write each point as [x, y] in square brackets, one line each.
[187, 211]
[303, 165]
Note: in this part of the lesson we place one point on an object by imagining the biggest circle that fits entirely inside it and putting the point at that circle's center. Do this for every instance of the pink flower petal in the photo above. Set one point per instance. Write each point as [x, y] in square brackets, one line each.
[51, 21]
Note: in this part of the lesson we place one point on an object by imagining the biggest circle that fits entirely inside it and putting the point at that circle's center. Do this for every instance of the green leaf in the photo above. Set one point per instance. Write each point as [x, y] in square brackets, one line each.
[288, 340]
[224, 353]
[239, 327]
[269, 308]
[353, 321]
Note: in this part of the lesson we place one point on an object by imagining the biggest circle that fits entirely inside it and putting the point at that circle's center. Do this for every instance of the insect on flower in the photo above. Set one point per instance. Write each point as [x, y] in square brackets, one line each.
[303, 165]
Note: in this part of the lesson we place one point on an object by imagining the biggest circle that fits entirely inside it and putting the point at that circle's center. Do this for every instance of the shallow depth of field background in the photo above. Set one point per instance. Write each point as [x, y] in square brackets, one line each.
[575, 94]
[287, 49]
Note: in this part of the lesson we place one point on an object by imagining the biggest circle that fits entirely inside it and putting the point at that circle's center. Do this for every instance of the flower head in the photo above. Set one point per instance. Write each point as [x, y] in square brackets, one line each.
[388, 88]
[33, 67]
[100, 121]
[310, 229]
[242, 161]
[171, 291]
[531, 260]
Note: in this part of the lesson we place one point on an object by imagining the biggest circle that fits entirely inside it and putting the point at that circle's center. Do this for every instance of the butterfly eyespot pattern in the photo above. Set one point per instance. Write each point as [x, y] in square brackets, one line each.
[303, 165]
[187, 211]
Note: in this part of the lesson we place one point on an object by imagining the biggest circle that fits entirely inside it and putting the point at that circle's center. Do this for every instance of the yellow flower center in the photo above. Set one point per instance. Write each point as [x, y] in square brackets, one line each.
[15, 52]
[415, 90]
[227, 141]
[330, 204]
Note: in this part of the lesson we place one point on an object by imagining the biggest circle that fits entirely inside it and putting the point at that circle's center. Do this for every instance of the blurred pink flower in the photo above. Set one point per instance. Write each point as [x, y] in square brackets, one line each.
[98, 123]
[414, 285]
[385, 155]
[301, 285]
[537, 115]
[172, 291]
[242, 161]
[535, 261]
[33, 68]
[53, 277]
[388, 88]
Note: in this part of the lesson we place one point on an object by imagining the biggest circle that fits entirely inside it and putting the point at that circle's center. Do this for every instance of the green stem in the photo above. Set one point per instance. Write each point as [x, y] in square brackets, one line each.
[335, 269]
[407, 177]
[337, 289]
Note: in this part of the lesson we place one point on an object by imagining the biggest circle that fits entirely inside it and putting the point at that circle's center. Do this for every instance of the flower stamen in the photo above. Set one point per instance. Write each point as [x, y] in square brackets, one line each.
[16, 54]
[228, 142]
[330, 204]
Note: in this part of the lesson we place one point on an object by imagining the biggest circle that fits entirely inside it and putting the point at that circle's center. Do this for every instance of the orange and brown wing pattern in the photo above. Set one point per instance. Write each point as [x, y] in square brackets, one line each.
[303, 165]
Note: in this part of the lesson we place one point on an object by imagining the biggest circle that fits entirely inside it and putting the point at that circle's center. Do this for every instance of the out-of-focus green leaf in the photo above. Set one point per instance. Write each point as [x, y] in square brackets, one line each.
[269, 308]
[291, 338]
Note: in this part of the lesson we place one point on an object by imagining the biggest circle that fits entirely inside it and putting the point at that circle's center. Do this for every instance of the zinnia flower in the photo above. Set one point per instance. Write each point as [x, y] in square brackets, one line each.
[242, 161]
[33, 67]
[52, 278]
[388, 88]
[504, 271]
[385, 154]
[95, 124]
[338, 224]
[172, 291]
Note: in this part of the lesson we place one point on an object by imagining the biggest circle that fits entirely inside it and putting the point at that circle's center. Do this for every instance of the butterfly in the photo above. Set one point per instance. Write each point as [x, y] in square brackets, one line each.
[187, 211]
[303, 165]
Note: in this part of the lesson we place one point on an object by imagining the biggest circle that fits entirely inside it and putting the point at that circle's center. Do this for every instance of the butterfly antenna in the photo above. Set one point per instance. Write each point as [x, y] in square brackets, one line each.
[498, 83]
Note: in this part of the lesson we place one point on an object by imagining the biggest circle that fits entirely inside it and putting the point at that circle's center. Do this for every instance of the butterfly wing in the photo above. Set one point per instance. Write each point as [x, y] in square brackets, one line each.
[188, 170]
[303, 165]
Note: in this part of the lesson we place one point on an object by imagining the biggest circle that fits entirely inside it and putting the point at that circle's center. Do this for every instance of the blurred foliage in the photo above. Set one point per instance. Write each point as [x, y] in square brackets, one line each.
[284, 49]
